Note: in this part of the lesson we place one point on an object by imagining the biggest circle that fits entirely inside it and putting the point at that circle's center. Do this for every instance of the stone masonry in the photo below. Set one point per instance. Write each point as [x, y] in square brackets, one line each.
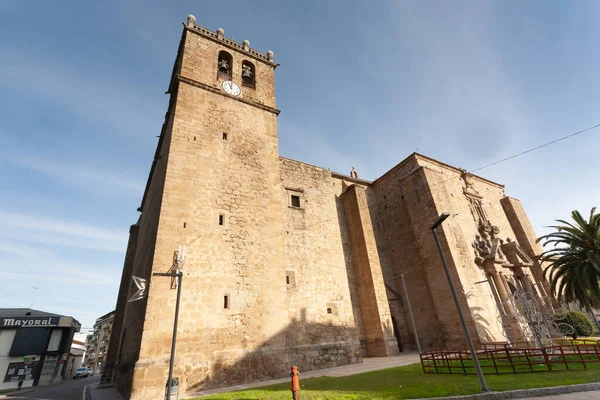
[288, 263]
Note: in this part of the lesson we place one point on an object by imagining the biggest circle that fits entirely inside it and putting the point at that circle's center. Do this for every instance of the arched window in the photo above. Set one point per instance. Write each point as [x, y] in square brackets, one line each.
[248, 74]
[224, 65]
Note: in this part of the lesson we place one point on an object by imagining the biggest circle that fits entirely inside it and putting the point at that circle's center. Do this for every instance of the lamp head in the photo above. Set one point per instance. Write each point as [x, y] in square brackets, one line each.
[440, 219]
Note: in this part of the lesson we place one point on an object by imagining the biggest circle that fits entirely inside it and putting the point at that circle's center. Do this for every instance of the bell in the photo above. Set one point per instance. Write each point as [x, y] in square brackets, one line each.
[223, 66]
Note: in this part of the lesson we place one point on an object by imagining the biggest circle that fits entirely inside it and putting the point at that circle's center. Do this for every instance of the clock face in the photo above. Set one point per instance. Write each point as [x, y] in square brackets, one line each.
[231, 88]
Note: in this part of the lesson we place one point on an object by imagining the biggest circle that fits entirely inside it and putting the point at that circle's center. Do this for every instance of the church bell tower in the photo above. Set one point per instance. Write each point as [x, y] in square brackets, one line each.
[214, 188]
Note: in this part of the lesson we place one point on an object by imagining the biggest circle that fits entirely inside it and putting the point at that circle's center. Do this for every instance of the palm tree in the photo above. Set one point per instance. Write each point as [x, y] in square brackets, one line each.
[574, 269]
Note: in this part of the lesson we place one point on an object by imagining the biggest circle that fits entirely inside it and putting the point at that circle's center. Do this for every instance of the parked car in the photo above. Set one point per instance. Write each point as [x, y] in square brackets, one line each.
[90, 371]
[80, 373]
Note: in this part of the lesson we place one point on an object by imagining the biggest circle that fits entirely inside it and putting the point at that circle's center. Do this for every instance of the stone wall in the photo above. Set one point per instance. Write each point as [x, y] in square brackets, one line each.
[134, 315]
[374, 305]
[316, 256]
[113, 353]
[527, 237]
[404, 202]
[459, 232]
[397, 206]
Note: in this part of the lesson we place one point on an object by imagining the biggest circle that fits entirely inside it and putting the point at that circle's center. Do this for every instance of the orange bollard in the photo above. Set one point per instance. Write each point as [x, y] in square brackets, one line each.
[295, 383]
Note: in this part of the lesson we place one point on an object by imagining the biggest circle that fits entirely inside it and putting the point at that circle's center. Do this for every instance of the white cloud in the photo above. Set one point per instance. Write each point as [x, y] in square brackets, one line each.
[88, 177]
[26, 228]
[93, 281]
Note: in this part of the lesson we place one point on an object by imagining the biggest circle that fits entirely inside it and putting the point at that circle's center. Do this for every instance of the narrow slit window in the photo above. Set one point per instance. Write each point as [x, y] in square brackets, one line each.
[290, 279]
[329, 311]
[221, 219]
[224, 136]
[295, 201]
[226, 302]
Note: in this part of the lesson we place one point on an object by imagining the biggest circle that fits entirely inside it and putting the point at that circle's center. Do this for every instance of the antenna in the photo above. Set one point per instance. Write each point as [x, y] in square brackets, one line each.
[35, 295]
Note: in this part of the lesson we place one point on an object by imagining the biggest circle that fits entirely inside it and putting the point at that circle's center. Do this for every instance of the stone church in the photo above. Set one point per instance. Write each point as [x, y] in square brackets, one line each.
[288, 263]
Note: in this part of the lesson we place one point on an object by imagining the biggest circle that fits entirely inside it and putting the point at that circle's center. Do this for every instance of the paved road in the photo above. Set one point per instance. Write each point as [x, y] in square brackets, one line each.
[72, 390]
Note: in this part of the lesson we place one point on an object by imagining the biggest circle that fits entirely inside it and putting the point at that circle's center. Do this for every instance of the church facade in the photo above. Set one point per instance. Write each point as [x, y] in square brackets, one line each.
[289, 264]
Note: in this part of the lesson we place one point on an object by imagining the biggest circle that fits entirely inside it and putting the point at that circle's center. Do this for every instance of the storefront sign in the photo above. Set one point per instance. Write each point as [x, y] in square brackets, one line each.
[30, 359]
[23, 322]
[37, 322]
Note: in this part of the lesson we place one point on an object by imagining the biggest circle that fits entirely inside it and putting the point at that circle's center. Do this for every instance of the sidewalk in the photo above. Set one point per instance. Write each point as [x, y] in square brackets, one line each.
[104, 393]
[30, 389]
[595, 395]
[368, 364]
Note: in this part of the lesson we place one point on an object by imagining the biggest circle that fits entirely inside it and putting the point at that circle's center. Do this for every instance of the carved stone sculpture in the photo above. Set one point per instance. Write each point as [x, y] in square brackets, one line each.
[488, 245]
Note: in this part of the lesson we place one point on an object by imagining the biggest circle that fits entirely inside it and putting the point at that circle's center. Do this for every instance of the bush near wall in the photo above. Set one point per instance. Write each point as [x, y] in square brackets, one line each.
[579, 321]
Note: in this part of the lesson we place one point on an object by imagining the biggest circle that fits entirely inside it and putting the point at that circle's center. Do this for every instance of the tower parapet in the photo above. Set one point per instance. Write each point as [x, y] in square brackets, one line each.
[219, 37]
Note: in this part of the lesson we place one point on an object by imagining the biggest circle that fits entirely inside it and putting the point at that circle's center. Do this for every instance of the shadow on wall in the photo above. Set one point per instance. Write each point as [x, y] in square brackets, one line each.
[482, 324]
[349, 266]
[326, 346]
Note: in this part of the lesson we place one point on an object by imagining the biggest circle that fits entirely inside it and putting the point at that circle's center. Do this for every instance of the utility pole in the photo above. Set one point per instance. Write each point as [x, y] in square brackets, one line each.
[437, 223]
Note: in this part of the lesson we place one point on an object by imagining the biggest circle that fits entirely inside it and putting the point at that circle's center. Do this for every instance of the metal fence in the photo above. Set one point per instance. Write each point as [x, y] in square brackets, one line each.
[503, 359]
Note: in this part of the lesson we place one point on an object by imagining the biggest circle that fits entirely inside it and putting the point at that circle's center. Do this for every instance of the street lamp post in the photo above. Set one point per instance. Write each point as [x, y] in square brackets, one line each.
[177, 275]
[436, 224]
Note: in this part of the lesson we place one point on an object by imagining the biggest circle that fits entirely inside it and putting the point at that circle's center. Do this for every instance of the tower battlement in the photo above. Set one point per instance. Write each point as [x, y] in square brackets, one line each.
[219, 37]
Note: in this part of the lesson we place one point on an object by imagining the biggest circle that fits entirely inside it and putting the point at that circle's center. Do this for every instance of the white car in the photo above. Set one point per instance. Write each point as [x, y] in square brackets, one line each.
[80, 373]
[90, 371]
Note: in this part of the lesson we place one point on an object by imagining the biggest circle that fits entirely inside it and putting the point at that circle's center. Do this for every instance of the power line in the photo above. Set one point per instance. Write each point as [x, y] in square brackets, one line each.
[538, 147]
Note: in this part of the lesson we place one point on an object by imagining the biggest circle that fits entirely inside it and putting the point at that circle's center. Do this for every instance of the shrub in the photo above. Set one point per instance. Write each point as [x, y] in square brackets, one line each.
[582, 326]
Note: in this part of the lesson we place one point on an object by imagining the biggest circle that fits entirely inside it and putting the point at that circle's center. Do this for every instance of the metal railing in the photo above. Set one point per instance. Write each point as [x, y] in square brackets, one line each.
[503, 359]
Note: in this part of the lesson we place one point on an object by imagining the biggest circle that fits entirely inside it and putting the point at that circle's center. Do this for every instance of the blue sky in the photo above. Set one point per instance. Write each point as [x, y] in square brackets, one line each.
[360, 83]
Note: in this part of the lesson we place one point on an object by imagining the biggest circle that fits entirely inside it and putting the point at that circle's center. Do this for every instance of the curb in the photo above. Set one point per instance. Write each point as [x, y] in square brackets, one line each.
[87, 393]
[522, 393]
[31, 389]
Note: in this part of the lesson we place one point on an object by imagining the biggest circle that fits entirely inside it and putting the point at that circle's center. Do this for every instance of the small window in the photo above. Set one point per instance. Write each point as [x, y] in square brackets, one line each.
[224, 136]
[224, 65]
[290, 279]
[221, 219]
[226, 302]
[248, 74]
[295, 201]
[332, 309]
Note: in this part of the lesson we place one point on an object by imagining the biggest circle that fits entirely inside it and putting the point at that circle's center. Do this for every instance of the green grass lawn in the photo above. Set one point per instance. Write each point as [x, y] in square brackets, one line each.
[410, 382]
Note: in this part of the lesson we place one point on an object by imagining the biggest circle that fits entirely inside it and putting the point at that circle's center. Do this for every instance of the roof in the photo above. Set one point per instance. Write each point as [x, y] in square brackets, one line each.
[106, 316]
[418, 156]
[26, 312]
